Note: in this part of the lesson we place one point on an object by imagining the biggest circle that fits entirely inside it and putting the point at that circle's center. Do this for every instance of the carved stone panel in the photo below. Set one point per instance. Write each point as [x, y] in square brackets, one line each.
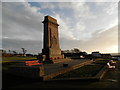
[53, 42]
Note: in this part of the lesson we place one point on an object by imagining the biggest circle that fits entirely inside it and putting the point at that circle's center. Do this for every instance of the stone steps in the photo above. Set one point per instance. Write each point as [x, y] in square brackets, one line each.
[61, 60]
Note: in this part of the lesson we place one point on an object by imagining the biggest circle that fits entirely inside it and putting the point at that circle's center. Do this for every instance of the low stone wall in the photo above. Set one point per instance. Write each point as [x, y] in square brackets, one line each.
[38, 72]
[61, 60]
[26, 71]
[97, 77]
[50, 76]
[101, 73]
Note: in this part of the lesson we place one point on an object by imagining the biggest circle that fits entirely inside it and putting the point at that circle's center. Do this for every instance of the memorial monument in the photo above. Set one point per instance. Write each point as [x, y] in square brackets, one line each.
[51, 46]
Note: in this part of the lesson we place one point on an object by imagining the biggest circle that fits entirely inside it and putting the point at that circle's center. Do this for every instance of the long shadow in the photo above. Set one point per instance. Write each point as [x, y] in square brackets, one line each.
[9, 80]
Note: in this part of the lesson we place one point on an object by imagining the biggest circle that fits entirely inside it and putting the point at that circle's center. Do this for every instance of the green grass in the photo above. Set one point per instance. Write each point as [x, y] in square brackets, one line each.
[99, 59]
[85, 71]
[103, 62]
[8, 60]
[12, 59]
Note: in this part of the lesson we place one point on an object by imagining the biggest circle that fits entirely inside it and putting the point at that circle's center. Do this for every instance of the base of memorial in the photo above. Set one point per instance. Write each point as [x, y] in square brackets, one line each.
[56, 57]
[48, 62]
[57, 60]
[61, 60]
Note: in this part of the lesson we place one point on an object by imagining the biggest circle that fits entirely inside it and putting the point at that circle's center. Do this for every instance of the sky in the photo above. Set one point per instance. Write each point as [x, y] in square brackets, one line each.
[88, 26]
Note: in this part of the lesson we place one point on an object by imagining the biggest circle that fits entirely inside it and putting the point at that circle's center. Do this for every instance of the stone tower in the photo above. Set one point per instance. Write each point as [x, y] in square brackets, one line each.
[51, 39]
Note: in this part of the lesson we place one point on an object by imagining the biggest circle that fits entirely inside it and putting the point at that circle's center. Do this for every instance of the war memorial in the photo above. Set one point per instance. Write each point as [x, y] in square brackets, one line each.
[55, 67]
[51, 46]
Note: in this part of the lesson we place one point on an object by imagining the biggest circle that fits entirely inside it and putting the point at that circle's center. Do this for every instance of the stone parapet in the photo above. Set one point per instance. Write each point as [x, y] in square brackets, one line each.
[26, 71]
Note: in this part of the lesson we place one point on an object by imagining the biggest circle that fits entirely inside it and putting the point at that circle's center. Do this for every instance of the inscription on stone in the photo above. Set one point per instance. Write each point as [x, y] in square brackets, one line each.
[53, 41]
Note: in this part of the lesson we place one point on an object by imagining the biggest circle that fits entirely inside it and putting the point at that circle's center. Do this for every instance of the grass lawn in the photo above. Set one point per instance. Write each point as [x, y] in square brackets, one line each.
[102, 62]
[15, 58]
[7, 60]
[85, 71]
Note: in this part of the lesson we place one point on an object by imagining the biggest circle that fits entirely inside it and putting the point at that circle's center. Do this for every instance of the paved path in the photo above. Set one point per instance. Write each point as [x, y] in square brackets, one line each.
[50, 68]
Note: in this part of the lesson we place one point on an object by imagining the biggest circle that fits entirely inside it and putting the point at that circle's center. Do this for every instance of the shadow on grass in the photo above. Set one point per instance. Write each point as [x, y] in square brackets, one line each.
[11, 81]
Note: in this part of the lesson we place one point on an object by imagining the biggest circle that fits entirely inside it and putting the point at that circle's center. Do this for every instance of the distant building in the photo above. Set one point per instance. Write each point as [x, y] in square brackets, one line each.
[96, 54]
[75, 55]
[116, 57]
[106, 56]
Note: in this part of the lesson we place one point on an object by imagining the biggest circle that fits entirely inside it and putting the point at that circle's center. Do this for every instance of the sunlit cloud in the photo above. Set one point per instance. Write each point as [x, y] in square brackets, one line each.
[113, 49]
[88, 26]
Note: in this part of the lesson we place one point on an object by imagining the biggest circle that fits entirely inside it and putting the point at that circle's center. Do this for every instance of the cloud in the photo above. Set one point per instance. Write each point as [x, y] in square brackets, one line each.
[100, 42]
[20, 20]
[82, 10]
[64, 28]
[112, 8]
[84, 17]
[105, 40]
[83, 25]
[21, 27]
[1, 25]
[72, 25]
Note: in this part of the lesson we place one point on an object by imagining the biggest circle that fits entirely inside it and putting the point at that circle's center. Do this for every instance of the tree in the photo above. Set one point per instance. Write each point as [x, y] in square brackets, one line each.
[14, 52]
[84, 53]
[9, 51]
[3, 51]
[75, 50]
[24, 51]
